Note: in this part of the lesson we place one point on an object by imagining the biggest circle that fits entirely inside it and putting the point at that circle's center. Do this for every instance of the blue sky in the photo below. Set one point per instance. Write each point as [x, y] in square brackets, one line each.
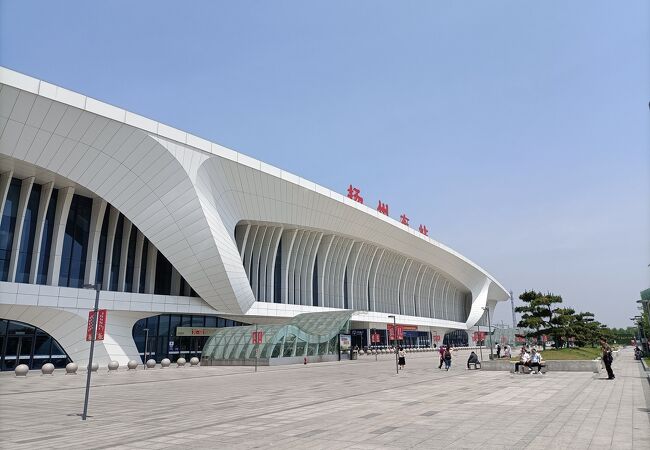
[518, 133]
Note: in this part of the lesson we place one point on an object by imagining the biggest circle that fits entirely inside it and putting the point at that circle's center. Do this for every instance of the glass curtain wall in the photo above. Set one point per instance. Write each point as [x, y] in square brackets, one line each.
[21, 343]
[163, 339]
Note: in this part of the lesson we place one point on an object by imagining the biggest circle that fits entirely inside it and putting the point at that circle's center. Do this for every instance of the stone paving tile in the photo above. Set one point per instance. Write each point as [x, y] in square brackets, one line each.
[360, 405]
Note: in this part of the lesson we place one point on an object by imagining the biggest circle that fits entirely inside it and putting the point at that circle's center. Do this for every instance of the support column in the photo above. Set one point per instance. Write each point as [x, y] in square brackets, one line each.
[137, 266]
[25, 191]
[63, 202]
[110, 241]
[124, 253]
[96, 222]
[150, 276]
[5, 181]
[176, 282]
[46, 194]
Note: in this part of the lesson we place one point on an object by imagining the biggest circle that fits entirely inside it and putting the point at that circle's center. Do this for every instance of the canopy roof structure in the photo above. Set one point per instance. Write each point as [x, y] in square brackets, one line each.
[311, 334]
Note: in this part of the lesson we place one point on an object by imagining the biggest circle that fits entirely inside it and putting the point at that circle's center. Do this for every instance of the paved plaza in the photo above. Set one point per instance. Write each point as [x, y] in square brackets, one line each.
[357, 404]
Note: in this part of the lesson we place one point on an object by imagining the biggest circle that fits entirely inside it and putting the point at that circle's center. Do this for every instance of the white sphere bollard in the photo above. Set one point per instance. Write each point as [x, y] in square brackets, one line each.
[165, 363]
[151, 363]
[180, 362]
[21, 370]
[194, 361]
[94, 367]
[71, 368]
[47, 369]
[113, 366]
[132, 365]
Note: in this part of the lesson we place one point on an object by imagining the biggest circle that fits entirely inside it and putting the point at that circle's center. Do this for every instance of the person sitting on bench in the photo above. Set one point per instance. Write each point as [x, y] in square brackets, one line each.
[535, 361]
[473, 359]
[524, 359]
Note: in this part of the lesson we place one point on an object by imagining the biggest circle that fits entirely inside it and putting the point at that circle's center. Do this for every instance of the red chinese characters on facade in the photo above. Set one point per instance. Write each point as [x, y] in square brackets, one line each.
[424, 230]
[404, 219]
[353, 193]
[382, 208]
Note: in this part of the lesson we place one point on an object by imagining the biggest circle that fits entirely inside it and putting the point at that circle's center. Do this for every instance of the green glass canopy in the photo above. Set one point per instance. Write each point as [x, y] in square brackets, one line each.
[312, 335]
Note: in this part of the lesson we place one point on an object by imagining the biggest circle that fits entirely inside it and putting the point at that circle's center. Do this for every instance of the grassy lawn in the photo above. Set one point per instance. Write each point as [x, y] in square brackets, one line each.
[568, 354]
[647, 361]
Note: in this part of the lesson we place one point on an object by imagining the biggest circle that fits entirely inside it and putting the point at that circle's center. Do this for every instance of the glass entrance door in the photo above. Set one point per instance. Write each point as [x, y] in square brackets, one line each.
[18, 351]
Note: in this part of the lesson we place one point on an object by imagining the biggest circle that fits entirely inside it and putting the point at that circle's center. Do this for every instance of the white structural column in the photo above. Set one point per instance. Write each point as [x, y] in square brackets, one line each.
[340, 279]
[310, 267]
[137, 263]
[292, 267]
[44, 203]
[150, 275]
[322, 254]
[176, 282]
[240, 237]
[417, 288]
[372, 279]
[264, 263]
[328, 270]
[110, 242]
[96, 222]
[25, 191]
[354, 263]
[401, 285]
[257, 248]
[432, 288]
[301, 268]
[124, 252]
[63, 202]
[5, 181]
[248, 252]
[362, 295]
[288, 239]
[270, 267]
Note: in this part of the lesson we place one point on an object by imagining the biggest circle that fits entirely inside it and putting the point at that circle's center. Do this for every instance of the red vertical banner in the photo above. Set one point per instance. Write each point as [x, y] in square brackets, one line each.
[257, 337]
[374, 338]
[101, 325]
[89, 328]
[395, 330]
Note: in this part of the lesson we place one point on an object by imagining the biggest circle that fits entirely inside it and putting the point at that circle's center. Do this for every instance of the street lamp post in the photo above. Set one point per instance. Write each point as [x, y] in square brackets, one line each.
[146, 341]
[480, 342]
[489, 330]
[97, 287]
[395, 342]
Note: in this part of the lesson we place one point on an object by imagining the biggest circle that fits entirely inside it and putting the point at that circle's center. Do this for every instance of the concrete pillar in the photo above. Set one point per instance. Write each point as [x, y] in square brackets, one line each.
[124, 253]
[5, 181]
[96, 222]
[176, 282]
[44, 203]
[150, 276]
[63, 202]
[25, 191]
[110, 241]
[137, 266]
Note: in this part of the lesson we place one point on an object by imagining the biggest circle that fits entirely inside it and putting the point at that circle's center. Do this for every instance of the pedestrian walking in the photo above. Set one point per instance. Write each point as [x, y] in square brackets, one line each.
[401, 358]
[447, 359]
[441, 353]
[498, 351]
[608, 359]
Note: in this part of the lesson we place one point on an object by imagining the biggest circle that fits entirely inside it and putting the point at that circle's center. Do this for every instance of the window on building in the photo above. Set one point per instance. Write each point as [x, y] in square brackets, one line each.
[27, 237]
[46, 240]
[75, 242]
[7, 226]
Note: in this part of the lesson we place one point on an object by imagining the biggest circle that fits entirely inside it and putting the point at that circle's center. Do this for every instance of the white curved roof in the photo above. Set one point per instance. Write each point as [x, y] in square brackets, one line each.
[226, 186]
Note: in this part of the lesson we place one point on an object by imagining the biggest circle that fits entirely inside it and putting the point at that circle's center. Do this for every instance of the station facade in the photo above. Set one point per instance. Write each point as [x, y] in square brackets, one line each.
[181, 233]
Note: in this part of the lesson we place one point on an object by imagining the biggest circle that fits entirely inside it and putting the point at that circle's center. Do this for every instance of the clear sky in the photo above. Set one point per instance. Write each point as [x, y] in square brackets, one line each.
[518, 132]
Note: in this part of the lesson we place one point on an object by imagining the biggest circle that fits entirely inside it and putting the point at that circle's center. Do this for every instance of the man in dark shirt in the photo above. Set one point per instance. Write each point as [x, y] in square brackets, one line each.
[473, 359]
[607, 358]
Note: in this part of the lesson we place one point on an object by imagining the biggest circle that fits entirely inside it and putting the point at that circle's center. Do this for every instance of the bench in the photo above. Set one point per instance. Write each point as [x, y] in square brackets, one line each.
[474, 366]
[525, 369]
